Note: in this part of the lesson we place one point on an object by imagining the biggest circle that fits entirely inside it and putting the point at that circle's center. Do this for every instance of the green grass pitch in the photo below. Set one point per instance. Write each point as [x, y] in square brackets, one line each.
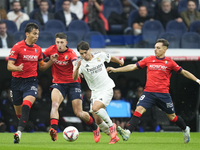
[85, 141]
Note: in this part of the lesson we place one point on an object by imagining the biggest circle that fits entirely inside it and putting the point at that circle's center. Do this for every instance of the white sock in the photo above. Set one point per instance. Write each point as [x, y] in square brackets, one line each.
[103, 115]
[104, 127]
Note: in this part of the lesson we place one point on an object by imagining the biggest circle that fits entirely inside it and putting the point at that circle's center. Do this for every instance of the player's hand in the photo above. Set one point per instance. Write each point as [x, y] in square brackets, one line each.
[81, 75]
[78, 64]
[54, 57]
[111, 69]
[122, 62]
[20, 67]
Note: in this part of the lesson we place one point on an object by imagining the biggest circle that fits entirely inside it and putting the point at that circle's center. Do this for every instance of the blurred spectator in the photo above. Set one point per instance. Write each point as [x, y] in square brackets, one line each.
[148, 120]
[39, 113]
[94, 17]
[117, 96]
[6, 39]
[65, 15]
[174, 4]
[3, 13]
[139, 21]
[127, 7]
[43, 15]
[190, 15]
[77, 7]
[166, 13]
[121, 83]
[16, 15]
[151, 6]
[2, 124]
[7, 111]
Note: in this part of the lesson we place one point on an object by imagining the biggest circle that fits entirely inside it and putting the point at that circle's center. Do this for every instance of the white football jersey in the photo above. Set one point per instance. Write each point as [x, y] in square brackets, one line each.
[95, 73]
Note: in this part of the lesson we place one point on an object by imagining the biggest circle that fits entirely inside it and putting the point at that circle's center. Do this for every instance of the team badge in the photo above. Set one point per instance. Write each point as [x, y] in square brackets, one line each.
[98, 60]
[66, 57]
[166, 62]
[35, 50]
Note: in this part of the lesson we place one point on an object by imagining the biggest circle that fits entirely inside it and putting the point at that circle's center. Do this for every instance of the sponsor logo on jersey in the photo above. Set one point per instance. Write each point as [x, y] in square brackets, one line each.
[98, 59]
[61, 63]
[66, 57]
[30, 57]
[86, 65]
[95, 69]
[157, 67]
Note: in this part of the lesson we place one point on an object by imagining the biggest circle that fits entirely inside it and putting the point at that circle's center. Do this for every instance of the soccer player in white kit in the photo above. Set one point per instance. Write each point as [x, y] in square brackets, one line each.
[94, 71]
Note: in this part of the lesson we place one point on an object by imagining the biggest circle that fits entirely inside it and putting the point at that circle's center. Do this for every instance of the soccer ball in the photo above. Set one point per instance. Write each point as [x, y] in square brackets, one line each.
[70, 133]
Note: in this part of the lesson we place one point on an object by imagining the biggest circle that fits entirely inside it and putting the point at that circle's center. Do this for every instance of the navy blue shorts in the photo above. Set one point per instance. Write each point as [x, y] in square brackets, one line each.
[22, 87]
[72, 90]
[162, 100]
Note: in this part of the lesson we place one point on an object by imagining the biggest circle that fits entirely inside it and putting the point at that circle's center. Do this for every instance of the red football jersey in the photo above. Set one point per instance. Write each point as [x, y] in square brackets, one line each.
[29, 56]
[158, 73]
[62, 69]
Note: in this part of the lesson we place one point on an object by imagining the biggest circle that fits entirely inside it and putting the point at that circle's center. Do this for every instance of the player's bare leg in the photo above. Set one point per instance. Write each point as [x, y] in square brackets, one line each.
[105, 128]
[24, 110]
[99, 109]
[56, 98]
[180, 122]
[77, 107]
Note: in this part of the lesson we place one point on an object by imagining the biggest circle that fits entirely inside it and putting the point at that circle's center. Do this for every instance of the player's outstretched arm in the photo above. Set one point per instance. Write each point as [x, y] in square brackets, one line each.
[116, 60]
[76, 70]
[11, 66]
[190, 76]
[127, 68]
[45, 65]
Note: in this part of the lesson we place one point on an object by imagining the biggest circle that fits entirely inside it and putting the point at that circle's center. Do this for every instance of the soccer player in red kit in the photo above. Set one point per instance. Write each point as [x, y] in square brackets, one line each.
[159, 70]
[23, 61]
[64, 84]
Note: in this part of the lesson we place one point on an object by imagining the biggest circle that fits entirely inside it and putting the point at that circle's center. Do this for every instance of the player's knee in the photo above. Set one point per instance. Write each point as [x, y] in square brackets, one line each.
[95, 109]
[55, 105]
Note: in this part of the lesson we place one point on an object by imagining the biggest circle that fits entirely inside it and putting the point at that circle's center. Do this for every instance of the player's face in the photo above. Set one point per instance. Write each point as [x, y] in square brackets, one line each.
[61, 44]
[86, 54]
[32, 36]
[160, 50]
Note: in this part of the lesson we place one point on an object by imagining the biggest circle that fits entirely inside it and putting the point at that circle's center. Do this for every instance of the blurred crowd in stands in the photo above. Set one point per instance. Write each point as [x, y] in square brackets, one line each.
[143, 21]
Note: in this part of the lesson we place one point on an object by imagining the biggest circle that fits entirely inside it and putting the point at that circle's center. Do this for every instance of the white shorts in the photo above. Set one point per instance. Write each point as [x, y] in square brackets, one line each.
[104, 96]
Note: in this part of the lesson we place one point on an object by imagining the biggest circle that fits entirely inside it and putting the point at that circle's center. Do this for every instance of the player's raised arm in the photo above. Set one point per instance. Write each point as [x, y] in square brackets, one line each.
[12, 67]
[127, 68]
[76, 69]
[189, 75]
[116, 60]
[45, 65]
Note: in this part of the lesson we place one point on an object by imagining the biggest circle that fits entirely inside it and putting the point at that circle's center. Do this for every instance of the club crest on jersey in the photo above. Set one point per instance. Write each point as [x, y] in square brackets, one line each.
[35, 50]
[66, 57]
[98, 59]
[166, 62]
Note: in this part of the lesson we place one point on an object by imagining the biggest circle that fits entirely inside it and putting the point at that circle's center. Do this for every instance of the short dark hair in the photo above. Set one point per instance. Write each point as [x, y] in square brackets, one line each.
[83, 46]
[66, 1]
[15, 1]
[44, 1]
[2, 22]
[192, 1]
[30, 26]
[61, 35]
[163, 41]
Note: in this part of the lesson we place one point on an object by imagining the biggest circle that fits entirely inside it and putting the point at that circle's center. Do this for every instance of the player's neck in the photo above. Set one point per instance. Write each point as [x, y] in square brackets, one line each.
[28, 42]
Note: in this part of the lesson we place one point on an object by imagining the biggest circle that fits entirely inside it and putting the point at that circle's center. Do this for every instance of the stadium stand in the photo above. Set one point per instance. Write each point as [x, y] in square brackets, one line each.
[11, 26]
[45, 39]
[194, 26]
[73, 39]
[23, 24]
[54, 26]
[95, 39]
[174, 41]
[20, 35]
[190, 40]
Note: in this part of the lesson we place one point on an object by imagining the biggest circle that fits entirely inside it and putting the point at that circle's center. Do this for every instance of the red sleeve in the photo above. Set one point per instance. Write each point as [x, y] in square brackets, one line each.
[73, 56]
[13, 53]
[176, 67]
[142, 63]
[85, 12]
[40, 55]
[46, 53]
